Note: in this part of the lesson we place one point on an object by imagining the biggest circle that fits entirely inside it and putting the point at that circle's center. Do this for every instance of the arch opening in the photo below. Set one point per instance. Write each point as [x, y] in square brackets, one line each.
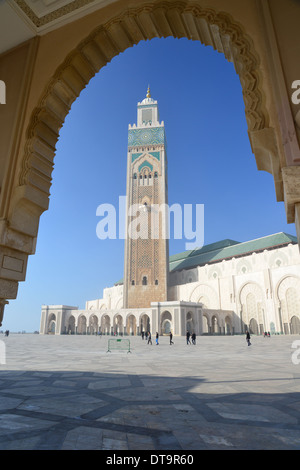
[224, 27]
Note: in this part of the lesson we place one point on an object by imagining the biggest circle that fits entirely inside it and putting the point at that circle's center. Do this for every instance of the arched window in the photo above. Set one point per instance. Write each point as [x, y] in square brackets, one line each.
[155, 174]
[134, 176]
[132, 282]
[156, 282]
[145, 281]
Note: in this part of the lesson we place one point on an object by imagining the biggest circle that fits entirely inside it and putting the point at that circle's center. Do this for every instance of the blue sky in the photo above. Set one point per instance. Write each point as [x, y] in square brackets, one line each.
[209, 162]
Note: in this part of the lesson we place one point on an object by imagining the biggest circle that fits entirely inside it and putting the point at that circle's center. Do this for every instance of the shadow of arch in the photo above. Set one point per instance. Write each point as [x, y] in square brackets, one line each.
[184, 395]
[162, 19]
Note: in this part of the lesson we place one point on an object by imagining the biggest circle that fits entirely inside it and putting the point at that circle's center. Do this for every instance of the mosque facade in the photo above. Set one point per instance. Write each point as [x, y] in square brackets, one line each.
[222, 288]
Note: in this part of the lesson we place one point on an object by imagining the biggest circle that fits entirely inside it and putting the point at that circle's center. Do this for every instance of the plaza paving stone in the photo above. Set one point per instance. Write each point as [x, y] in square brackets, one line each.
[69, 393]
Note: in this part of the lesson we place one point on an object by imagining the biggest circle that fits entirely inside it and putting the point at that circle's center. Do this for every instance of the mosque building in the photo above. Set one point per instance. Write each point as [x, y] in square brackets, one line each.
[222, 288]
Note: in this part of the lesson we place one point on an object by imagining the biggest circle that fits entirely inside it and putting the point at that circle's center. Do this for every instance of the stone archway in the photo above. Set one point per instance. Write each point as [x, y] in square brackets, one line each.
[177, 19]
[228, 325]
[93, 325]
[51, 324]
[205, 295]
[166, 324]
[288, 295]
[253, 326]
[295, 325]
[190, 322]
[215, 325]
[105, 325]
[82, 325]
[205, 324]
[145, 323]
[131, 325]
[251, 299]
[118, 324]
[71, 325]
[29, 196]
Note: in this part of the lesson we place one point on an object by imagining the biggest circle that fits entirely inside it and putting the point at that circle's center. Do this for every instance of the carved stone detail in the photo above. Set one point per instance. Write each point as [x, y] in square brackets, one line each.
[160, 19]
[181, 19]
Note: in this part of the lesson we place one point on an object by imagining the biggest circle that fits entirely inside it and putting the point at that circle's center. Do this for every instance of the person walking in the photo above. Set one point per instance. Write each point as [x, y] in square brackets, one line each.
[149, 338]
[248, 338]
[188, 334]
[157, 338]
[194, 338]
[171, 338]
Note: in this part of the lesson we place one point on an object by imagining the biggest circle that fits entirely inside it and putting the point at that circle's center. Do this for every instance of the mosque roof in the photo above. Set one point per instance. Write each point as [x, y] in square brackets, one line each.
[226, 249]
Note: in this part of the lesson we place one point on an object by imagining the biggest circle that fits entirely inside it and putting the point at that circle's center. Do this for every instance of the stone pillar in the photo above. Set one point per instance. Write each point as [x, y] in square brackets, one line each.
[3, 302]
[291, 187]
[280, 318]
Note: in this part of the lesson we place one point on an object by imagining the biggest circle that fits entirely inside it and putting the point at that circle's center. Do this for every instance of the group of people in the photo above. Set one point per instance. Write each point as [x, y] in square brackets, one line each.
[193, 336]
[189, 336]
[147, 335]
[248, 337]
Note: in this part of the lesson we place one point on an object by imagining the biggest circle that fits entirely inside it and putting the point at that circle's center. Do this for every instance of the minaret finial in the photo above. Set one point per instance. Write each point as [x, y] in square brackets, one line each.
[148, 92]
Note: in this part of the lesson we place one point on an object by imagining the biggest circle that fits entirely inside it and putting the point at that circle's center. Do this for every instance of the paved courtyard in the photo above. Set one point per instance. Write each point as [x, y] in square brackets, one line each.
[68, 392]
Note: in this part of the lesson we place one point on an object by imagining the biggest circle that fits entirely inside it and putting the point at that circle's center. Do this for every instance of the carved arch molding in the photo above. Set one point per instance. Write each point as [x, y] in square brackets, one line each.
[162, 19]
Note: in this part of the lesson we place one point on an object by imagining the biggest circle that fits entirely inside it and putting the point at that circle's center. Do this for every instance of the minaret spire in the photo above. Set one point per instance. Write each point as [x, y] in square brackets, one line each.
[148, 92]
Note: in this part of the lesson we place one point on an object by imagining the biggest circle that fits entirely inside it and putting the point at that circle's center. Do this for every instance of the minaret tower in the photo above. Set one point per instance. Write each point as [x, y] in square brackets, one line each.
[146, 246]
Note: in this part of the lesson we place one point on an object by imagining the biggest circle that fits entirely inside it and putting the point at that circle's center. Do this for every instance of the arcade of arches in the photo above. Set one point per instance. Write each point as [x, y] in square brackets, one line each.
[253, 317]
[258, 291]
[260, 37]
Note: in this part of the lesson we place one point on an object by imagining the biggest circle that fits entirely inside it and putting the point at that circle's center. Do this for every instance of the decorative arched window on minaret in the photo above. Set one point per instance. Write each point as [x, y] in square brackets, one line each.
[146, 246]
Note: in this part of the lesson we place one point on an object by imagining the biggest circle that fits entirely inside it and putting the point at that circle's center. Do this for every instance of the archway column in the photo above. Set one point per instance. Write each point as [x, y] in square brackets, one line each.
[3, 302]
[291, 187]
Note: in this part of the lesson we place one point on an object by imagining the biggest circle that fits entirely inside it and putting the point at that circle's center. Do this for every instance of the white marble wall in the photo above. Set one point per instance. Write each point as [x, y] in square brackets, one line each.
[262, 286]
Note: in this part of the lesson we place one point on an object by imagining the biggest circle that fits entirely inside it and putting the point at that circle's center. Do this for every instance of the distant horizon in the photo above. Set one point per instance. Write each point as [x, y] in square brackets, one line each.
[210, 162]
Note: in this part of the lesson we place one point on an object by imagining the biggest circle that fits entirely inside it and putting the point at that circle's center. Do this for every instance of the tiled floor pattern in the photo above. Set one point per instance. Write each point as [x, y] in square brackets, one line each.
[68, 392]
